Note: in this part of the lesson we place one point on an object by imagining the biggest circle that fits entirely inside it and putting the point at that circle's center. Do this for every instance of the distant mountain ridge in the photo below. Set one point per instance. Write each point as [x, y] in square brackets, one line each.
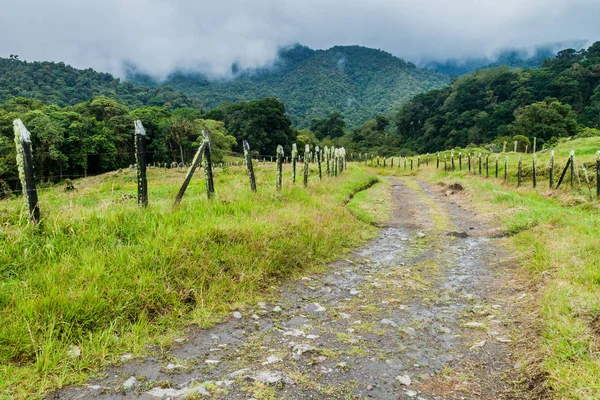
[521, 58]
[356, 81]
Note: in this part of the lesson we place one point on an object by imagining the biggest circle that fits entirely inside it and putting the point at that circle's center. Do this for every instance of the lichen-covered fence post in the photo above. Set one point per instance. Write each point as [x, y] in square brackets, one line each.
[587, 180]
[208, 167]
[516, 143]
[418, 161]
[497, 156]
[598, 175]
[140, 158]
[534, 172]
[487, 165]
[519, 171]
[411, 163]
[318, 154]
[392, 162]
[572, 159]
[504, 147]
[452, 160]
[551, 171]
[505, 168]
[294, 159]
[188, 177]
[25, 165]
[306, 159]
[249, 165]
[384, 162]
[279, 166]
[437, 161]
[469, 161]
[460, 160]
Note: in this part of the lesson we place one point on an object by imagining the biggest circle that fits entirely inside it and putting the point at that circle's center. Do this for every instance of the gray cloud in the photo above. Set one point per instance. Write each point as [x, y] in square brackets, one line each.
[209, 36]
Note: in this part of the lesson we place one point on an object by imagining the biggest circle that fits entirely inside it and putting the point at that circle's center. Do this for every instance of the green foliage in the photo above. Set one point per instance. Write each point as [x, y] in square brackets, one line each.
[522, 143]
[97, 136]
[588, 132]
[477, 108]
[355, 81]
[263, 123]
[57, 83]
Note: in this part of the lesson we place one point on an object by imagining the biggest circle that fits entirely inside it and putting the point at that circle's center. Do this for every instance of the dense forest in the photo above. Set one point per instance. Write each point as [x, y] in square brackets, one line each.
[96, 136]
[355, 81]
[560, 99]
[63, 85]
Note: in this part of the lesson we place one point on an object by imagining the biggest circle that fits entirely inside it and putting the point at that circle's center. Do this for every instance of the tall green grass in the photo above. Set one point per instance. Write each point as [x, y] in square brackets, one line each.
[108, 277]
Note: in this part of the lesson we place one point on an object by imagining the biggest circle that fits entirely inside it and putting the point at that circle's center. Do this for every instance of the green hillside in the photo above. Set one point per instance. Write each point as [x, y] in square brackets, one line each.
[560, 99]
[57, 83]
[355, 81]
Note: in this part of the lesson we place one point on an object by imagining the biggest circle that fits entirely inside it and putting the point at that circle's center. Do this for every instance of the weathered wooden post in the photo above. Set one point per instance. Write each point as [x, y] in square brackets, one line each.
[141, 165]
[497, 156]
[519, 168]
[25, 166]
[294, 159]
[437, 161]
[487, 165]
[384, 162]
[504, 147]
[534, 171]
[306, 158]
[318, 153]
[562, 175]
[505, 168]
[534, 144]
[188, 177]
[526, 148]
[516, 143]
[469, 160]
[208, 167]
[587, 181]
[427, 159]
[392, 162]
[418, 161]
[279, 167]
[572, 159]
[452, 160]
[460, 160]
[249, 165]
[480, 162]
[411, 163]
[445, 164]
[551, 172]
[598, 175]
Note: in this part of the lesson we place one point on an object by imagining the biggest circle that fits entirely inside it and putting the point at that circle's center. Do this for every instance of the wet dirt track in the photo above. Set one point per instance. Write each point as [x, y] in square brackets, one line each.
[423, 311]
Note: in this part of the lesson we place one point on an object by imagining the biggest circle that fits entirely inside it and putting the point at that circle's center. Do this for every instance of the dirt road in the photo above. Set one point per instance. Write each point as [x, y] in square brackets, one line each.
[424, 311]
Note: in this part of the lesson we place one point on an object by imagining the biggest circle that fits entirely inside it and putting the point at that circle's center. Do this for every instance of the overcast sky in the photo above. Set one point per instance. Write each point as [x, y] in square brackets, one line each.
[208, 36]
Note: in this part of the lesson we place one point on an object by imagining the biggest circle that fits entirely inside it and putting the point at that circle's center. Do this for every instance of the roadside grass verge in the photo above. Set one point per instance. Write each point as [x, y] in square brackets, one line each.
[101, 277]
[374, 205]
[556, 240]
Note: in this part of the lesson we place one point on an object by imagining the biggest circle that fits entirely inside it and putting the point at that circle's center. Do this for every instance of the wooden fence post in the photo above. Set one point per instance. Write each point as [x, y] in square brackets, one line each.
[505, 168]
[411, 163]
[306, 158]
[587, 181]
[384, 162]
[497, 156]
[534, 170]
[487, 165]
[562, 176]
[480, 162]
[519, 168]
[452, 160]
[279, 167]
[25, 166]
[249, 165]
[516, 143]
[318, 153]
[598, 175]
[572, 159]
[418, 161]
[460, 160]
[208, 167]
[534, 144]
[551, 172]
[504, 147]
[392, 162]
[188, 177]
[294, 158]
[140, 158]
[469, 160]
[437, 161]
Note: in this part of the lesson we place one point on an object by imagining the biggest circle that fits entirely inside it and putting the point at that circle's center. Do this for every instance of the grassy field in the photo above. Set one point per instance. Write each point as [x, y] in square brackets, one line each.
[555, 236]
[101, 277]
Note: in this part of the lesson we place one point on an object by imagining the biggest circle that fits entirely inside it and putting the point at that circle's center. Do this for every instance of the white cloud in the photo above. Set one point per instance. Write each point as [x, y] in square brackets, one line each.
[198, 35]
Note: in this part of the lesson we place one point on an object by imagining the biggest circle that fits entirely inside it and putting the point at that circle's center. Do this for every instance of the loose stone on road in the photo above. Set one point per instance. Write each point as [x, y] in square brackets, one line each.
[421, 312]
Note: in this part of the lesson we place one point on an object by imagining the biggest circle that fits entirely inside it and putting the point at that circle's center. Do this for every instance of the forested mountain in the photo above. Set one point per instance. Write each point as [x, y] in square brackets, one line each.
[514, 58]
[63, 85]
[355, 81]
[562, 98]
